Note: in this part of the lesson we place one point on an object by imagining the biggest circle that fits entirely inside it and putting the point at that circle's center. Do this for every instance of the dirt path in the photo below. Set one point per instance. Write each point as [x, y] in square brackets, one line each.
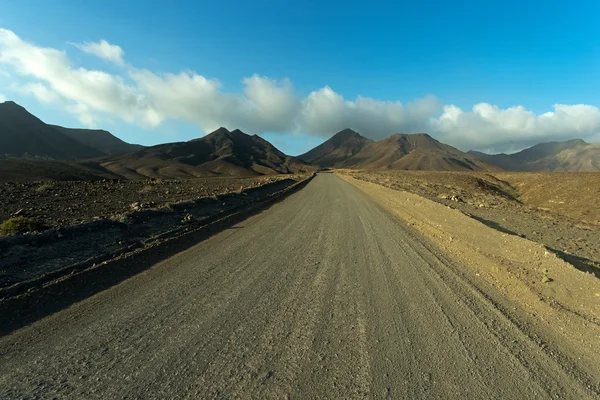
[325, 295]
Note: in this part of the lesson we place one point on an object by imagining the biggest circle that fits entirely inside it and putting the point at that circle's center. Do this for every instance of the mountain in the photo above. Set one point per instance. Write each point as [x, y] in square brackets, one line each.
[220, 153]
[570, 156]
[414, 152]
[338, 148]
[101, 140]
[24, 135]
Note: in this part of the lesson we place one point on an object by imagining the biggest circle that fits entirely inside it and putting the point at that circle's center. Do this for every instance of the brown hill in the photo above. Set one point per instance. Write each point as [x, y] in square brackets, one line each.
[570, 156]
[414, 152]
[336, 149]
[220, 153]
[101, 140]
[24, 135]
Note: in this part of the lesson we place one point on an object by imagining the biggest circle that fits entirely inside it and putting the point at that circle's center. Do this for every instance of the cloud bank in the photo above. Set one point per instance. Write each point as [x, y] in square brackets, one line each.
[144, 98]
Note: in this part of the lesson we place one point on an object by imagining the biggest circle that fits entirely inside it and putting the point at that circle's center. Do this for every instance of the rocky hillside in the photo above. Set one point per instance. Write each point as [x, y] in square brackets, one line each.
[24, 136]
[414, 152]
[220, 153]
[98, 139]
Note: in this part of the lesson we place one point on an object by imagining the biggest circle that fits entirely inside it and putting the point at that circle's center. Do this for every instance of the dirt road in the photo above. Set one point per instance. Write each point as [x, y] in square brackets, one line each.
[324, 295]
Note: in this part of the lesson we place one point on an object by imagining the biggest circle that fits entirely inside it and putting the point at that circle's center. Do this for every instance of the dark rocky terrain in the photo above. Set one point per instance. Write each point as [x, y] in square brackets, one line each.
[570, 156]
[34, 170]
[89, 222]
[69, 203]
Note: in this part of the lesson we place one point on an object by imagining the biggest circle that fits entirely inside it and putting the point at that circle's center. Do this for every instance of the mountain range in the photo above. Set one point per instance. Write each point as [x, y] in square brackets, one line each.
[570, 156]
[348, 149]
[26, 143]
[23, 135]
[219, 153]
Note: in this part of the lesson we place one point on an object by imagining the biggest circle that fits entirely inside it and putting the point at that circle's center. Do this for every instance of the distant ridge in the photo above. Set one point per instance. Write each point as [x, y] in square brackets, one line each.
[221, 152]
[347, 149]
[569, 156]
[99, 139]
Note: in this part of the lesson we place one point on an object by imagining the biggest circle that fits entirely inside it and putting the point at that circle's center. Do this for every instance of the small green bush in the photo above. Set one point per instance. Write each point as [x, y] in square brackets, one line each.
[44, 188]
[13, 226]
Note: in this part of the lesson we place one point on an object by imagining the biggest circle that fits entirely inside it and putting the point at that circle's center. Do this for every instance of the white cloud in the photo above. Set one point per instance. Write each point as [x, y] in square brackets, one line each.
[487, 126]
[324, 111]
[147, 99]
[40, 92]
[2, 98]
[104, 50]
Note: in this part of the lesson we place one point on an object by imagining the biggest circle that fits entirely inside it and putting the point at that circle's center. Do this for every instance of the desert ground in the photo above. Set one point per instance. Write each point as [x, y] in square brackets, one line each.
[84, 223]
[554, 209]
[65, 203]
[346, 288]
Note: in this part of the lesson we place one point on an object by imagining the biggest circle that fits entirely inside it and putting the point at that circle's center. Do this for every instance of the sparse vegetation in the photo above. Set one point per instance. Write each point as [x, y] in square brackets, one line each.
[44, 187]
[16, 225]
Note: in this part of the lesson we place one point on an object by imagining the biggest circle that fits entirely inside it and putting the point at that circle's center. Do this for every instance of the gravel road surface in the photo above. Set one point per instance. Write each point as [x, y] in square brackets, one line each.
[324, 295]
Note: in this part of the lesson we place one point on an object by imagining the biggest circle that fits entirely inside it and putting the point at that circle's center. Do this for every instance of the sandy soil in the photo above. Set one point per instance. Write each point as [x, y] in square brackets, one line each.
[563, 303]
[539, 206]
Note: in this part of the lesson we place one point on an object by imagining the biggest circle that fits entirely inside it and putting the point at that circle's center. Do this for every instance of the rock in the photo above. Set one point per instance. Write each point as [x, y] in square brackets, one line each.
[547, 279]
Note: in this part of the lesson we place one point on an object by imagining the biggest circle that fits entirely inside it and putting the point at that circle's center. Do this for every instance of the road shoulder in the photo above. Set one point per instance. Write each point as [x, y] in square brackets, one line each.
[555, 299]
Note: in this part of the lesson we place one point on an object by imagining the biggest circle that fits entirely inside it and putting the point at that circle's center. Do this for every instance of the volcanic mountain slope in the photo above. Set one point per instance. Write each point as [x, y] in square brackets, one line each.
[414, 152]
[24, 135]
[570, 156]
[98, 139]
[336, 149]
[220, 153]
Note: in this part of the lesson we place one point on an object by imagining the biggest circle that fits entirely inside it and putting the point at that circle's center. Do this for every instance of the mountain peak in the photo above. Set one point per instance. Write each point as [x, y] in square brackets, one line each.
[11, 105]
[337, 148]
[346, 133]
[221, 131]
[238, 132]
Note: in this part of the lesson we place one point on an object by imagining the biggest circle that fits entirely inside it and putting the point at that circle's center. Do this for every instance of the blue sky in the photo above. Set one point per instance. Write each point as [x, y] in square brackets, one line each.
[423, 66]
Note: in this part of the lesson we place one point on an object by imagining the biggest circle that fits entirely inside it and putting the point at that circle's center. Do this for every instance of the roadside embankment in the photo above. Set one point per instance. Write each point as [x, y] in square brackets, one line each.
[561, 302]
